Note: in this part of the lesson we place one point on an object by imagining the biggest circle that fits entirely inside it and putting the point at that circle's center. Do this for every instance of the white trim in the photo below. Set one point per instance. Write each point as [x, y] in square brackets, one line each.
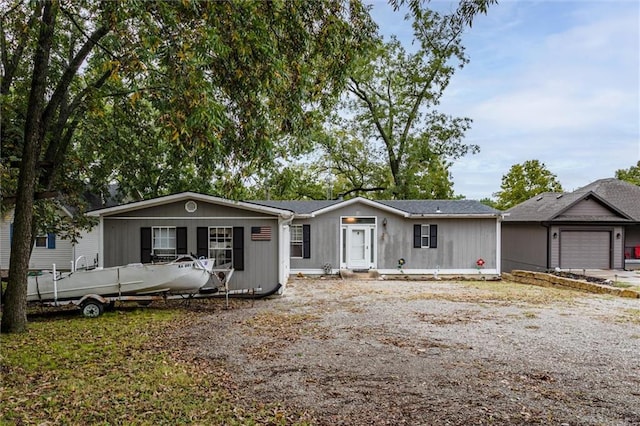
[297, 225]
[311, 271]
[284, 262]
[453, 215]
[189, 218]
[361, 200]
[368, 252]
[101, 242]
[466, 272]
[498, 245]
[123, 208]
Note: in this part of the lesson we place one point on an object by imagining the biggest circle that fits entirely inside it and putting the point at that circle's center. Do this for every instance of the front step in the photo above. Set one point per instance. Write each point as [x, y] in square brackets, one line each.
[359, 274]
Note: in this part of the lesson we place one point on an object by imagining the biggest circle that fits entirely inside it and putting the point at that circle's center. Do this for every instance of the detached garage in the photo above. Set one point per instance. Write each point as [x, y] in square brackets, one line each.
[593, 227]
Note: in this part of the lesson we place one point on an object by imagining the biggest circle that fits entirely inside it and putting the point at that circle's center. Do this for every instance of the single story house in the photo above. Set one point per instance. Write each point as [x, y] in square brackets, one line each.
[266, 241]
[423, 237]
[594, 227]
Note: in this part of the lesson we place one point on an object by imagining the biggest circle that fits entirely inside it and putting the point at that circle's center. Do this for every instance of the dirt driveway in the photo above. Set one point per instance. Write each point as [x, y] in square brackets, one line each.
[422, 353]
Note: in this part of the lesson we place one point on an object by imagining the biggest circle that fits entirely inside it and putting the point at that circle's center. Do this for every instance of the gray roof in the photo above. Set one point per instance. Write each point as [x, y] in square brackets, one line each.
[619, 196]
[409, 206]
[440, 206]
[297, 206]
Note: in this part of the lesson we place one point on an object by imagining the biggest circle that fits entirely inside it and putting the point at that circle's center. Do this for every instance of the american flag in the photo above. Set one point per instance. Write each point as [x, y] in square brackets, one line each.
[260, 233]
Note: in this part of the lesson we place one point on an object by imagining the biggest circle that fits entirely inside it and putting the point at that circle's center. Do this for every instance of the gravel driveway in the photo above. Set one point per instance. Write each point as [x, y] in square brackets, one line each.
[423, 353]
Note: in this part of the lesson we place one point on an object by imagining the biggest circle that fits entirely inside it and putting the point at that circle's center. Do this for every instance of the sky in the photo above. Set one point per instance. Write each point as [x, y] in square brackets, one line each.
[548, 80]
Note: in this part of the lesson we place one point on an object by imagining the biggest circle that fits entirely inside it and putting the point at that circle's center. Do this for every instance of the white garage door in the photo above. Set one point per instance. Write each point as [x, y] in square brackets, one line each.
[585, 249]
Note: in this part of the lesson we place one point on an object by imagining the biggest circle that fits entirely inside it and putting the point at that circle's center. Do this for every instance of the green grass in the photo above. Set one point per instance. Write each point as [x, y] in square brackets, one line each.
[120, 368]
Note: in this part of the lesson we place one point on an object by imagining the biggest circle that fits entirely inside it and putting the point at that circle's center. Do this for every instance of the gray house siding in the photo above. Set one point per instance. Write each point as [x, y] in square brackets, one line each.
[122, 238]
[608, 246]
[460, 242]
[177, 209]
[589, 207]
[524, 246]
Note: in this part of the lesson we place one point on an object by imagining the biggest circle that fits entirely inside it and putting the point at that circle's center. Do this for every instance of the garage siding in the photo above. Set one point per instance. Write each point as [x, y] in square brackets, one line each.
[585, 249]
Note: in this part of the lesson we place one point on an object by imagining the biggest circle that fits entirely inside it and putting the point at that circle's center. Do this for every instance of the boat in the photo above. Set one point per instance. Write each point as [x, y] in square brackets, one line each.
[184, 275]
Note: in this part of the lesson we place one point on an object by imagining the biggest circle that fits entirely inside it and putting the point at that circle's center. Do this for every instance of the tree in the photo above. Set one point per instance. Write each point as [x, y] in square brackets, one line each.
[221, 83]
[524, 181]
[631, 175]
[390, 112]
[489, 202]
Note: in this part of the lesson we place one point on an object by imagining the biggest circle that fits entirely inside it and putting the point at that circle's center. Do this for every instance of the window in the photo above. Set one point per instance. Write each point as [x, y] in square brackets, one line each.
[358, 220]
[425, 236]
[46, 241]
[164, 241]
[300, 241]
[41, 241]
[221, 244]
[296, 241]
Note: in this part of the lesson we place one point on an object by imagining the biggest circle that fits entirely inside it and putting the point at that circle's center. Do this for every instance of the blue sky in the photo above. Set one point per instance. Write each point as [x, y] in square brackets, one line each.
[556, 81]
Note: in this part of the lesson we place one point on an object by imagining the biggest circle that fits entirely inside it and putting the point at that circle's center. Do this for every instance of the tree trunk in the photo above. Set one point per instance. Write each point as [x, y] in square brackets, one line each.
[14, 316]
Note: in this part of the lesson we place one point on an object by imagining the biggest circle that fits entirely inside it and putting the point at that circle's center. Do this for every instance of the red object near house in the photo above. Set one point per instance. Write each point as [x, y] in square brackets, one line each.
[637, 252]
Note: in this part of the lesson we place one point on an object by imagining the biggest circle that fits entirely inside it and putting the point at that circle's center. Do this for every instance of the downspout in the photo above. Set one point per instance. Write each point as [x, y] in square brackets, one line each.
[101, 241]
[283, 253]
[499, 219]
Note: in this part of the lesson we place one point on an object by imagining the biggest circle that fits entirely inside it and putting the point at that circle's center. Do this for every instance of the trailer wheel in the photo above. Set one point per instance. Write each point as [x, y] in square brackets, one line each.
[92, 309]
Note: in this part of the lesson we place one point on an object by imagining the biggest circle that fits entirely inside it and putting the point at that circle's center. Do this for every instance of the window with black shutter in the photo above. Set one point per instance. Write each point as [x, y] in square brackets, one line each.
[145, 245]
[425, 236]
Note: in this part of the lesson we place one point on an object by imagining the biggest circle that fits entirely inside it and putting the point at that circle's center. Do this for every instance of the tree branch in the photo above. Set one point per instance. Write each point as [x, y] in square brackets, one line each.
[10, 63]
[378, 188]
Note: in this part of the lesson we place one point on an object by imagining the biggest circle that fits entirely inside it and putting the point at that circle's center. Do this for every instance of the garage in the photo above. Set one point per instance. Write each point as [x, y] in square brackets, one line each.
[585, 249]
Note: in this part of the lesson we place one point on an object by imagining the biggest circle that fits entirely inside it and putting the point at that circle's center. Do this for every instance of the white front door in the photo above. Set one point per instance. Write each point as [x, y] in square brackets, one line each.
[358, 247]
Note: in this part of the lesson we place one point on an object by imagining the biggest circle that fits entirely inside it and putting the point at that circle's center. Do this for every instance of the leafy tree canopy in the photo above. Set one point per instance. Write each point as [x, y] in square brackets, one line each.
[524, 181]
[158, 95]
[390, 113]
[631, 175]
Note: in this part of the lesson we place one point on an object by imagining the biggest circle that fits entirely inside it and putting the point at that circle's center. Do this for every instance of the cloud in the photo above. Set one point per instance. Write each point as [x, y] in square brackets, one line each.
[566, 93]
[556, 81]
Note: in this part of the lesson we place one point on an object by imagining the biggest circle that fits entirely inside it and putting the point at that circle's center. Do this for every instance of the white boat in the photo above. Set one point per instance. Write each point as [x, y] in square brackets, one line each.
[182, 276]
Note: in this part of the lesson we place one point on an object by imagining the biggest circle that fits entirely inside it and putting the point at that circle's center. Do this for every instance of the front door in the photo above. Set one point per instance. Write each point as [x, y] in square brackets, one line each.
[357, 246]
[358, 249]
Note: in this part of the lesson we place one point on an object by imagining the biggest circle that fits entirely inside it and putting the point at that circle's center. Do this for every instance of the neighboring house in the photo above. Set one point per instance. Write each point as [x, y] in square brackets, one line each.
[594, 227]
[48, 248]
[266, 241]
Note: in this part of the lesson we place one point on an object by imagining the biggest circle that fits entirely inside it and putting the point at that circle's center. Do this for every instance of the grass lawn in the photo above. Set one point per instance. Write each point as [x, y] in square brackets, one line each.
[116, 369]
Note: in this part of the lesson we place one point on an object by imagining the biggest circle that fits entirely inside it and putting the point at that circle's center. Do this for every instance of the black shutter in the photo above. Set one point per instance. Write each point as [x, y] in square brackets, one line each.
[238, 248]
[145, 245]
[306, 241]
[417, 236]
[181, 240]
[433, 236]
[202, 243]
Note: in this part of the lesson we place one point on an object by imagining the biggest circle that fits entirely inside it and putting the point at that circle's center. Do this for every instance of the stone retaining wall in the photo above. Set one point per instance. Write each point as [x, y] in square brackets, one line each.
[550, 280]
